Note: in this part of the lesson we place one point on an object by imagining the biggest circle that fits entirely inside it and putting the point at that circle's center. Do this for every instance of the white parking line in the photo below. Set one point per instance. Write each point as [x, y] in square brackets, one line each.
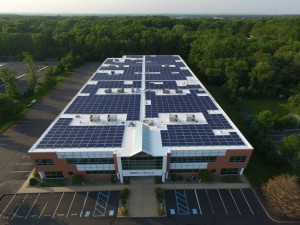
[247, 201]
[71, 205]
[209, 202]
[84, 204]
[222, 201]
[8, 205]
[23, 164]
[235, 202]
[32, 206]
[198, 202]
[45, 205]
[58, 204]
[19, 208]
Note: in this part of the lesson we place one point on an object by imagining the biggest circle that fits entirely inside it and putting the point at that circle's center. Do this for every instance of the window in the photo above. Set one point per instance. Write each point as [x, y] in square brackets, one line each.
[100, 172]
[142, 162]
[70, 173]
[184, 171]
[237, 158]
[90, 161]
[230, 171]
[54, 174]
[44, 162]
[193, 159]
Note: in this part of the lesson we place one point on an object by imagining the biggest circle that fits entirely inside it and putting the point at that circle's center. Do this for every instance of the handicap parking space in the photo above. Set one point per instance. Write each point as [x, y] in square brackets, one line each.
[213, 202]
[62, 206]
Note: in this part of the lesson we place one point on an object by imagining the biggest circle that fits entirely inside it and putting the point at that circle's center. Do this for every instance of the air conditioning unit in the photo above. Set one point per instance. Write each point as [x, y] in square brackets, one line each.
[179, 91]
[111, 118]
[120, 90]
[94, 118]
[173, 118]
[166, 91]
[190, 117]
[112, 72]
[151, 123]
[107, 90]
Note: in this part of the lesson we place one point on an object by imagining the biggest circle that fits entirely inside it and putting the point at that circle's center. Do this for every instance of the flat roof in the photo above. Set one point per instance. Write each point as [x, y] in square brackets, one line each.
[149, 103]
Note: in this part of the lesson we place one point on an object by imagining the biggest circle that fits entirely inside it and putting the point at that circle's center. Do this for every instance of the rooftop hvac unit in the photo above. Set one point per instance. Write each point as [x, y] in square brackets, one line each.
[94, 118]
[151, 123]
[179, 91]
[107, 90]
[173, 118]
[166, 91]
[132, 124]
[190, 117]
[167, 65]
[132, 90]
[120, 90]
[112, 72]
[112, 118]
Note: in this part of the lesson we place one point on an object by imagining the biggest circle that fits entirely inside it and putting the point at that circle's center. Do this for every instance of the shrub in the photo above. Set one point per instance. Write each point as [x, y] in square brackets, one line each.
[160, 212]
[123, 211]
[172, 177]
[205, 176]
[124, 194]
[33, 182]
[159, 194]
[35, 173]
[77, 179]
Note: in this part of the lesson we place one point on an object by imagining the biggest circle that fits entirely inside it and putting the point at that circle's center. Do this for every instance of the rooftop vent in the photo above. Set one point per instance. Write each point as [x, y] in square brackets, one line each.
[94, 118]
[121, 90]
[132, 90]
[173, 118]
[179, 91]
[111, 118]
[112, 72]
[107, 90]
[190, 117]
[166, 91]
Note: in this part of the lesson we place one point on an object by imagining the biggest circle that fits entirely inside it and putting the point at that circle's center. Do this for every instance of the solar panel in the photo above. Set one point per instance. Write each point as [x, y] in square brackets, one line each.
[92, 88]
[107, 77]
[107, 104]
[196, 135]
[62, 135]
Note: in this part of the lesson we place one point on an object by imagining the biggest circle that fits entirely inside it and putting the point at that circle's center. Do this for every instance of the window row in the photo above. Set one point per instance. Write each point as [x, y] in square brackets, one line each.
[193, 159]
[44, 162]
[230, 171]
[100, 172]
[142, 163]
[237, 158]
[90, 161]
[53, 174]
[184, 171]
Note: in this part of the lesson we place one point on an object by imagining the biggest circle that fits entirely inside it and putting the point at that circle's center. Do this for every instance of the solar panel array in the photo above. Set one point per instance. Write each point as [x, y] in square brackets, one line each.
[107, 104]
[115, 77]
[92, 88]
[177, 104]
[62, 135]
[196, 135]
[169, 85]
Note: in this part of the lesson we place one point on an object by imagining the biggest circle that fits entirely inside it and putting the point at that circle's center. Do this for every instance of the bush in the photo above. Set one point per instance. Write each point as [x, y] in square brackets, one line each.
[35, 173]
[159, 194]
[124, 211]
[33, 182]
[124, 194]
[160, 212]
[205, 176]
[77, 179]
[172, 177]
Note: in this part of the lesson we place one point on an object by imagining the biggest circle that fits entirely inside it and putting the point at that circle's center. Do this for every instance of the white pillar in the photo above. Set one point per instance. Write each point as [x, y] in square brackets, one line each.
[121, 178]
[241, 171]
[163, 178]
[42, 175]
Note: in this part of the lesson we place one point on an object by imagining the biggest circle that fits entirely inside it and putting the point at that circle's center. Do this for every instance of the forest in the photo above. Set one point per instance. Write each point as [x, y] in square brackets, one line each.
[249, 58]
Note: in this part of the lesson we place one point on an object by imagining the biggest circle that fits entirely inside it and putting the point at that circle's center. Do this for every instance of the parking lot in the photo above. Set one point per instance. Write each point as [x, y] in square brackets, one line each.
[226, 205]
[65, 205]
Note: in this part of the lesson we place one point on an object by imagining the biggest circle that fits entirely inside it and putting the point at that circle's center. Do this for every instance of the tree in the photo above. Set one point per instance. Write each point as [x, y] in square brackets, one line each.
[28, 59]
[9, 77]
[294, 100]
[12, 108]
[265, 120]
[291, 145]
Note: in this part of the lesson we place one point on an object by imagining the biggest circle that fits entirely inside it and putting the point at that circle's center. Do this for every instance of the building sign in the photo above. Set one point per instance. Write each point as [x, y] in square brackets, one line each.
[142, 172]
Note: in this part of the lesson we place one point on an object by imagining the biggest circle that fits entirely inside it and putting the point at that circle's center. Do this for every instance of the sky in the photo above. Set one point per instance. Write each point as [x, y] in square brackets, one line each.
[150, 6]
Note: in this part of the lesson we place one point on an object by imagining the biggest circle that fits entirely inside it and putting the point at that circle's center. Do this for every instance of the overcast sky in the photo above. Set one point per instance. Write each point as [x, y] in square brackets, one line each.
[151, 6]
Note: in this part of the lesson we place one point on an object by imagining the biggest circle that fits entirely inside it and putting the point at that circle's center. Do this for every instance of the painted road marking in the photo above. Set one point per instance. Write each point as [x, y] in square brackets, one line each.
[45, 206]
[84, 203]
[235, 202]
[209, 202]
[247, 202]
[198, 201]
[58, 204]
[222, 201]
[19, 207]
[8, 205]
[32, 205]
[71, 205]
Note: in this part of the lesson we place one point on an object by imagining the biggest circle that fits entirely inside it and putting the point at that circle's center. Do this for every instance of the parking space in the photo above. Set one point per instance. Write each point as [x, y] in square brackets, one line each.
[47, 206]
[213, 202]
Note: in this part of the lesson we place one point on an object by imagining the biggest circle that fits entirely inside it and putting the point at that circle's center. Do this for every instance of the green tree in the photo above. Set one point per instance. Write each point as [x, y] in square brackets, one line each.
[28, 59]
[9, 108]
[291, 146]
[9, 77]
[265, 120]
[294, 100]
